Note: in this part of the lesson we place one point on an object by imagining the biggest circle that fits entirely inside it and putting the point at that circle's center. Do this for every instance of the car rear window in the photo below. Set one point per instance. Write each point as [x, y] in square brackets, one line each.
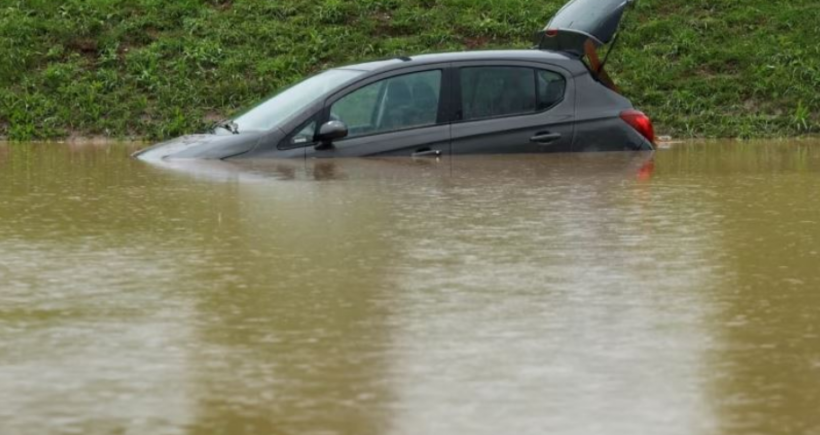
[497, 91]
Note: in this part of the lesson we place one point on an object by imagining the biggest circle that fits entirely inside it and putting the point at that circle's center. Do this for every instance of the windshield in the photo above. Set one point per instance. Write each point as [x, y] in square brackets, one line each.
[293, 100]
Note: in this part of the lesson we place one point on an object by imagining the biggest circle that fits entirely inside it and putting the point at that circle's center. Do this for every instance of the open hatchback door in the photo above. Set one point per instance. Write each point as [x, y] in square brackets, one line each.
[582, 27]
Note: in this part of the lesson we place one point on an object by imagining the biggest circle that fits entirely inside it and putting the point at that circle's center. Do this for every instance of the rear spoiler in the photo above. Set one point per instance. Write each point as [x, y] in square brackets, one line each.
[580, 45]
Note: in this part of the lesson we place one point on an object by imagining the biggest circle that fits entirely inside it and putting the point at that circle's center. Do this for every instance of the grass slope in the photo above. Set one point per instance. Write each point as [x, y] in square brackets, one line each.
[159, 68]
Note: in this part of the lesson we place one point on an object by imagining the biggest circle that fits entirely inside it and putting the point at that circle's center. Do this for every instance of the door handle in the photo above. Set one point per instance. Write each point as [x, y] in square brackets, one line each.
[545, 138]
[426, 152]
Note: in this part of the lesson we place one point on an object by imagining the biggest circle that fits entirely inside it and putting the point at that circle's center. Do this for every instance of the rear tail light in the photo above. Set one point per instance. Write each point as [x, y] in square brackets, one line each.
[640, 122]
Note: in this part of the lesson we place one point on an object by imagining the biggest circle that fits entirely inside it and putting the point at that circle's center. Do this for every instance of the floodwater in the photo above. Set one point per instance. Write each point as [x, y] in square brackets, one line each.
[587, 294]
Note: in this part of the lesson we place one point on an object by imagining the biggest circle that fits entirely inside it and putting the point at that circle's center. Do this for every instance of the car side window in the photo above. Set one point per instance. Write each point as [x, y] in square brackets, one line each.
[490, 92]
[305, 134]
[397, 103]
[301, 136]
[551, 89]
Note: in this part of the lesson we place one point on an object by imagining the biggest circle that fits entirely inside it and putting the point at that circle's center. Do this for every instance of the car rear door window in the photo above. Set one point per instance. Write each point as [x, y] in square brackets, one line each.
[397, 103]
[490, 92]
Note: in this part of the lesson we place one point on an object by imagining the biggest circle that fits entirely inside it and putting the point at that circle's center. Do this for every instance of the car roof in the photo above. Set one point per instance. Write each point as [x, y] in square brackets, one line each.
[521, 55]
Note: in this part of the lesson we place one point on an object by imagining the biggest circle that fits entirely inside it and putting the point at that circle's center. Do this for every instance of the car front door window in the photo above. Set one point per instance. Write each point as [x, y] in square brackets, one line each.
[394, 104]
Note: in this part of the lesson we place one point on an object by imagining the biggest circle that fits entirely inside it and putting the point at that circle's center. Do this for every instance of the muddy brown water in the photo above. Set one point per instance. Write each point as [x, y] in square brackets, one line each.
[674, 293]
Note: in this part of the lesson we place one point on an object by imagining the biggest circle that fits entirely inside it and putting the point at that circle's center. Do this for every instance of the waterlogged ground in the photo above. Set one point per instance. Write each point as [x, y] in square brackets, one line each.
[595, 294]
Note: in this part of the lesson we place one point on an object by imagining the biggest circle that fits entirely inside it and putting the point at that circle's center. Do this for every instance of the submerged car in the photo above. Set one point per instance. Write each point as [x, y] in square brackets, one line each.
[553, 98]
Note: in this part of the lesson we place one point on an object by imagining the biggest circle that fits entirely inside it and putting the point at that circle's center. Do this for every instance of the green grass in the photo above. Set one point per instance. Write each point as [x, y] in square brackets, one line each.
[160, 68]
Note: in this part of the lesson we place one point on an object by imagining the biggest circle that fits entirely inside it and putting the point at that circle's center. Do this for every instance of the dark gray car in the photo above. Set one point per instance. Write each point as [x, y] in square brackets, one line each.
[554, 98]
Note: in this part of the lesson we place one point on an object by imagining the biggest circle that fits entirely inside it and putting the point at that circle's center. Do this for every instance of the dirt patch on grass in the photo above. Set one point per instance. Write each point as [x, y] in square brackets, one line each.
[223, 5]
[84, 45]
[212, 117]
[476, 42]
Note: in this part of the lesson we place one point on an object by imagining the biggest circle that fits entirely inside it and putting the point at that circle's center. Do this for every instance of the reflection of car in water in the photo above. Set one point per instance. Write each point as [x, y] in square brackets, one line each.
[582, 167]
[556, 98]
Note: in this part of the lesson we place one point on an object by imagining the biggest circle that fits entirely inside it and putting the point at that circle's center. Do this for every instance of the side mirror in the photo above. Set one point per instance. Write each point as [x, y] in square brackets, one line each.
[330, 131]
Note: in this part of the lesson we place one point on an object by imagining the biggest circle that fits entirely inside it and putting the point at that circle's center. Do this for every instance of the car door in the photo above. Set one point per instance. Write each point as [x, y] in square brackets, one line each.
[401, 113]
[512, 108]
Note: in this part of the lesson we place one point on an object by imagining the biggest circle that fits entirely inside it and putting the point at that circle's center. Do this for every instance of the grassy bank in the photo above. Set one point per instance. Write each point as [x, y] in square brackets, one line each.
[159, 68]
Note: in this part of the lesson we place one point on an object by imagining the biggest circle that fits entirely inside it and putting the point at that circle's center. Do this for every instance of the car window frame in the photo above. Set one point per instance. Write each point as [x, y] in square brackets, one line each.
[458, 109]
[443, 116]
[449, 98]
